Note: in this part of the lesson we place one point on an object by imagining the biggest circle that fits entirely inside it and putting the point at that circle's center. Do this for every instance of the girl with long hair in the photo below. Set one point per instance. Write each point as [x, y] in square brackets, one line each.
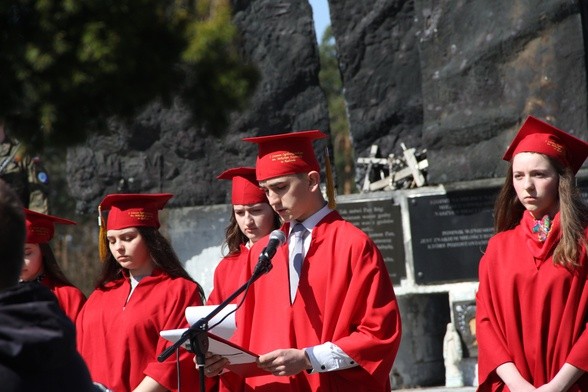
[142, 290]
[252, 218]
[40, 264]
[532, 301]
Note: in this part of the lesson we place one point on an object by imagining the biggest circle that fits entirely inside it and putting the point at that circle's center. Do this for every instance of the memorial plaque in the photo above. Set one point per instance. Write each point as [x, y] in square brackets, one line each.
[381, 221]
[449, 234]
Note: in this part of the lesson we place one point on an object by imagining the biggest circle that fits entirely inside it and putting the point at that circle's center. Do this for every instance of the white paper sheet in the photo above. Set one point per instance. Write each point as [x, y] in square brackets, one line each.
[225, 329]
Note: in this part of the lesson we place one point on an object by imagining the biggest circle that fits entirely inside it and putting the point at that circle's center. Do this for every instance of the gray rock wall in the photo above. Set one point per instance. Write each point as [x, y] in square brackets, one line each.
[486, 65]
[456, 78]
[163, 152]
[377, 45]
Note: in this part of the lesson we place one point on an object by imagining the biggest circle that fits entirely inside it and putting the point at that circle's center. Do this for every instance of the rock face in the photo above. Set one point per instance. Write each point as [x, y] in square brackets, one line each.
[511, 59]
[458, 78]
[163, 152]
[455, 78]
[377, 45]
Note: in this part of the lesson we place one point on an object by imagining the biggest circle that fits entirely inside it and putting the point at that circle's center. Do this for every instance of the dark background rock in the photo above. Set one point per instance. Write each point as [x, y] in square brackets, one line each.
[163, 152]
[377, 46]
[453, 78]
[485, 67]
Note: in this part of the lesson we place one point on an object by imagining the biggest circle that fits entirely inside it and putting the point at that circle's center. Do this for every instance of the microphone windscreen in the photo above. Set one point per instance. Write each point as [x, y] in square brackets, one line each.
[278, 235]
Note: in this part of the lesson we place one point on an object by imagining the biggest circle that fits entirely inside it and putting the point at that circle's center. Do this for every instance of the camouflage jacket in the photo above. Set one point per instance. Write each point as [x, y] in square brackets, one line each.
[25, 174]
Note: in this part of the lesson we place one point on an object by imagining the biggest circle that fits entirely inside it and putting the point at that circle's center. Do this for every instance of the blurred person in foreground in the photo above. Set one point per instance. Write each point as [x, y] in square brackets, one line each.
[37, 340]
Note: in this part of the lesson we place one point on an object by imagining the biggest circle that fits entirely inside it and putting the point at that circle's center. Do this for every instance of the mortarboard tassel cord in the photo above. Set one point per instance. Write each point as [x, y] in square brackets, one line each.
[102, 247]
[330, 184]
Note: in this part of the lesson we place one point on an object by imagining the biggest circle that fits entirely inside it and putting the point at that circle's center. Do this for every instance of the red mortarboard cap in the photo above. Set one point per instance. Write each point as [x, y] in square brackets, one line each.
[538, 136]
[41, 227]
[133, 210]
[287, 153]
[245, 189]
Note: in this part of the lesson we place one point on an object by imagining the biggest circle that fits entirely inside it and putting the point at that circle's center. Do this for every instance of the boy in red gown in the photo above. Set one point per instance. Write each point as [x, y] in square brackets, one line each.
[325, 317]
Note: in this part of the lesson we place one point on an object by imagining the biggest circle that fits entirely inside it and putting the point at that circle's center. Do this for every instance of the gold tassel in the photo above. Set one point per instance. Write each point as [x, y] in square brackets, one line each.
[102, 247]
[330, 184]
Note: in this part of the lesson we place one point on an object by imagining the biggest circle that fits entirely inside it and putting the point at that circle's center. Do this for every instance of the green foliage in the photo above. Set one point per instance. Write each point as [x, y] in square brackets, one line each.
[67, 66]
[221, 79]
[330, 80]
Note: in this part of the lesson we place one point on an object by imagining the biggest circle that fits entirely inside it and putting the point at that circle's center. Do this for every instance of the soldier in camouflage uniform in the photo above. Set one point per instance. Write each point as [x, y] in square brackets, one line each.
[25, 174]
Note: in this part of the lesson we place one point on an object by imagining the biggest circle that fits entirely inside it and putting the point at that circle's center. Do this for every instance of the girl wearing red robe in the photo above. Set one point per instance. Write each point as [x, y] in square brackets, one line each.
[142, 290]
[40, 264]
[335, 328]
[532, 302]
[252, 218]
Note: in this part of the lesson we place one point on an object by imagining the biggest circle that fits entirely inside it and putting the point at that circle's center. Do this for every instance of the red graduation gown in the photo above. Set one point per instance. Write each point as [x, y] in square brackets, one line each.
[228, 277]
[344, 296]
[528, 310]
[120, 343]
[70, 298]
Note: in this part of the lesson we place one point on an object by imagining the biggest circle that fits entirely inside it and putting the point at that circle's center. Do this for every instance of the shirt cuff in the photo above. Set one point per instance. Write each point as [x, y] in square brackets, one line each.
[327, 357]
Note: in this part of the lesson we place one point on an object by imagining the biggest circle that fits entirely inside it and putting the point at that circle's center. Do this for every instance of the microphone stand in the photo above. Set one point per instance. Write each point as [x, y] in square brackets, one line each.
[197, 331]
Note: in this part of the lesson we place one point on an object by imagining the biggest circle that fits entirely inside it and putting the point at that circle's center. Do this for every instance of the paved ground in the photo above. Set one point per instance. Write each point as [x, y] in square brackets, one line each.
[438, 389]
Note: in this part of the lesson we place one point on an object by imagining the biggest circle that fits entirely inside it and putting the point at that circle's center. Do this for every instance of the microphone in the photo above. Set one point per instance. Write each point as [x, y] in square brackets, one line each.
[276, 238]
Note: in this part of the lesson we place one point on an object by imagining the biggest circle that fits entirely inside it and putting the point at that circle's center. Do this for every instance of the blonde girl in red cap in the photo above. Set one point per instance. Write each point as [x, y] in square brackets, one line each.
[41, 266]
[532, 302]
[252, 218]
[142, 290]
